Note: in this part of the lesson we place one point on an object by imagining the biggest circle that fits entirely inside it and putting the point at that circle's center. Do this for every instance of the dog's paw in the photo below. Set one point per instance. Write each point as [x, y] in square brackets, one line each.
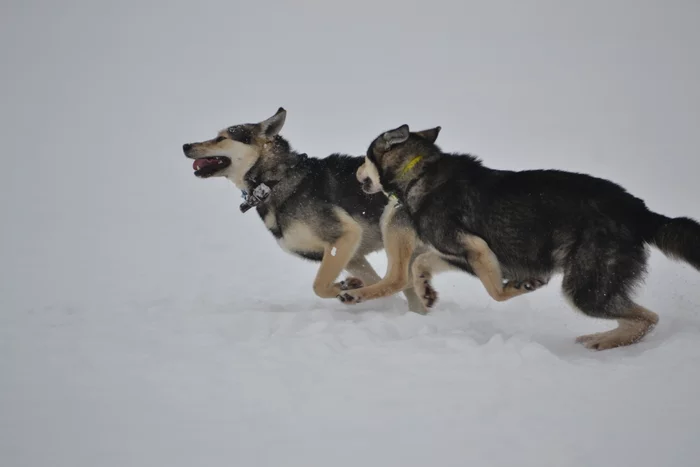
[430, 296]
[603, 340]
[349, 298]
[426, 292]
[350, 283]
[346, 286]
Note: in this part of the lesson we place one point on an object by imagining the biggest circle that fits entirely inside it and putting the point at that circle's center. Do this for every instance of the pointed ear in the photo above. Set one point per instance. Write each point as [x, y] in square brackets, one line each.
[396, 136]
[273, 125]
[430, 134]
[393, 137]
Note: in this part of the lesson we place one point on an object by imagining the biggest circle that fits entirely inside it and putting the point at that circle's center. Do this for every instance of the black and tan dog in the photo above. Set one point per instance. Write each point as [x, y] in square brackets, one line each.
[412, 263]
[314, 208]
[526, 224]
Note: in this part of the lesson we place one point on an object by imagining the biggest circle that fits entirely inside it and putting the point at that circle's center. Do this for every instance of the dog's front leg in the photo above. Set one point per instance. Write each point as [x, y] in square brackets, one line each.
[335, 259]
[487, 268]
[424, 267]
[399, 245]
[363, 270]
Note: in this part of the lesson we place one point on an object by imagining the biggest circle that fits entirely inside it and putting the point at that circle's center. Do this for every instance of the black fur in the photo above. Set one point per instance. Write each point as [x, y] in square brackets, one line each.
[678, 238]
[538, 222]
[310, 189]
[241, 133]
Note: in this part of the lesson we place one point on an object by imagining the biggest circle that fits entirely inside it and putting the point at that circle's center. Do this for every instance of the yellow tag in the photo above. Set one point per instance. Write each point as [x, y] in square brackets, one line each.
[411, 164]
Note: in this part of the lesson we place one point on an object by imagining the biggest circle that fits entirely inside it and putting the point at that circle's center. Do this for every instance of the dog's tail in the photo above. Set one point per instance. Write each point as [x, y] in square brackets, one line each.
[678, 238]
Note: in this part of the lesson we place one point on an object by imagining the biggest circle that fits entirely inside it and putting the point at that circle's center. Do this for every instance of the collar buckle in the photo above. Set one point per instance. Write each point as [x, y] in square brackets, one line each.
[260, 193]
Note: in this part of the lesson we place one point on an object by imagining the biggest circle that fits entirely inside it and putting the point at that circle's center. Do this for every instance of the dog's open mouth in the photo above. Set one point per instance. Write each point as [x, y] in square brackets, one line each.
[209, 166]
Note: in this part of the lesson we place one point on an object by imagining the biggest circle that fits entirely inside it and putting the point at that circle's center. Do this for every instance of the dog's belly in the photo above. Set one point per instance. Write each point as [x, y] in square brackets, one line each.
[299, 239]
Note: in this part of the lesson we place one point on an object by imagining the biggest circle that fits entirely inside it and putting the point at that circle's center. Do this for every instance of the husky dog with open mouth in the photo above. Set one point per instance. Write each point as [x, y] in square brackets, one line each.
[313, 207]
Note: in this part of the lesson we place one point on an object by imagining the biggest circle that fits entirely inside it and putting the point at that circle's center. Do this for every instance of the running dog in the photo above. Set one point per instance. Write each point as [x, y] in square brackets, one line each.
[526, 224]
[409, 257]
[314, 208]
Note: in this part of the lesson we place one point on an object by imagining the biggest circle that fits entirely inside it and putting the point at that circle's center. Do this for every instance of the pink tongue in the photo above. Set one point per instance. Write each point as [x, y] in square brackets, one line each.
[201, 163]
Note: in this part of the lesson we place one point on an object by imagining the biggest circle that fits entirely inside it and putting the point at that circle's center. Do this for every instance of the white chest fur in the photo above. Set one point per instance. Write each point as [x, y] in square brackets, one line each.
[270, 220]
[297, 237]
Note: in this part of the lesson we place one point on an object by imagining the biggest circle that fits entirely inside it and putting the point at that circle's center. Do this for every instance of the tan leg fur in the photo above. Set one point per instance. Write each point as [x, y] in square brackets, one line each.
[628, 331]
[360, 268]
[399, 248]
[424, 267]
[336, 258]
[486, 267]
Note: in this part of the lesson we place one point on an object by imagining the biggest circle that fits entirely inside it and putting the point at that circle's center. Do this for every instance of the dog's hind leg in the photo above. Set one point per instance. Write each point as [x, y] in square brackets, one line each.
[636, 324]
[598, 280]
[363, 270]
[415, 304]
[487, 268]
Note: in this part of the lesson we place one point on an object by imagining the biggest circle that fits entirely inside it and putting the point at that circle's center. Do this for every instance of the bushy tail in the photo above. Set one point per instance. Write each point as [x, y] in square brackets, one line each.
[677, 238]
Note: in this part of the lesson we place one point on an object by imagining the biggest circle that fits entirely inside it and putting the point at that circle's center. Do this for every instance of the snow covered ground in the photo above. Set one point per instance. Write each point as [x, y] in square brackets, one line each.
[144, 321]
[289, 380]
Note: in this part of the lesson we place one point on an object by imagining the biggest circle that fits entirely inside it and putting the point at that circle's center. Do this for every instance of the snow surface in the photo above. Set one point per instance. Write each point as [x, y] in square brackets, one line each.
[145, 321]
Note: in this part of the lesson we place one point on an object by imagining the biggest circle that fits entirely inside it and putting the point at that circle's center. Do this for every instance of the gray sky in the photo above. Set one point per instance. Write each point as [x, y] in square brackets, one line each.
[98, 202]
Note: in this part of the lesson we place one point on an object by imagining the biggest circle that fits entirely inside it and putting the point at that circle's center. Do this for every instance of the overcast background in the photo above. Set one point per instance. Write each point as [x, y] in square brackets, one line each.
[99, 202]
[99, 206]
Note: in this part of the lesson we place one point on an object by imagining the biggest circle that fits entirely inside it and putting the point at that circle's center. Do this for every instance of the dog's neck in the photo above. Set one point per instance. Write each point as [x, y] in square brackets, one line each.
[406, 177]
[432, 175]
[238, 176]
[275, 181]
[264, 171]
[248, 174]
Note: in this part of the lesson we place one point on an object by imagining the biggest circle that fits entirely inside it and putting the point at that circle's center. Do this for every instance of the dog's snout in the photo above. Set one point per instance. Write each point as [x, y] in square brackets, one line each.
[186, 147]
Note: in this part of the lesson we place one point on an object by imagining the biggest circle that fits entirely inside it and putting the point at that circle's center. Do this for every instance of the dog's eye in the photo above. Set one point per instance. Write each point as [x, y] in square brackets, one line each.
[219, 139]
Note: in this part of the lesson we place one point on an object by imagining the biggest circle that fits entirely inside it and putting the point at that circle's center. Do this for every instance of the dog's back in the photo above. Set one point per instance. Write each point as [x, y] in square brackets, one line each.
[332, 180]
[321, 198]
[553, 208]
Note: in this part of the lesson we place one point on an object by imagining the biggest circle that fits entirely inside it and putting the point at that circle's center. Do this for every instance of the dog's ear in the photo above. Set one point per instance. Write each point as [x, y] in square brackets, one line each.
[430, 134]
[273, 125]
[391, 138]
[397, 136]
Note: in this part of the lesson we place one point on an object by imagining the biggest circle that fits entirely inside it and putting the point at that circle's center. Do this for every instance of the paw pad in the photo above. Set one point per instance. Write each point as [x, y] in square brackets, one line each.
[348, 299]
[430, 296]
